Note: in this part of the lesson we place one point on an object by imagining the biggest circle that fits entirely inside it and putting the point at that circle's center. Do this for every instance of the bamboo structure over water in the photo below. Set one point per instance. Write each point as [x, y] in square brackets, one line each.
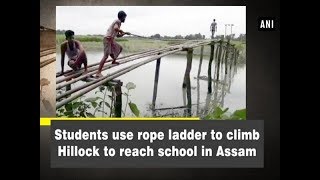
[221, 48]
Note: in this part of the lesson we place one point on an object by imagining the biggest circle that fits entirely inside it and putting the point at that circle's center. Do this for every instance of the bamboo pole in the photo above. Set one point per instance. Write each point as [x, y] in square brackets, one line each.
[232, 57]
[178, 107]
[219, 59]
[94, 69]
[118, 101]
[217, 50]
[92, 82]
[189, 102]
[200, 63]
[91, 72]
[155, 87]
[184, 98]
[70, 72]
[140, 55]
[189, 66]
[187, 80]
[236, 57]
[154, 51]
[198, 96]
[86, 84]
[105, 79]
[226, 57]
[209, 68]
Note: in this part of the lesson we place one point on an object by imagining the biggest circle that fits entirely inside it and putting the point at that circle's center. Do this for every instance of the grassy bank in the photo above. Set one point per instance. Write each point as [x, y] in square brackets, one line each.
[131, 45]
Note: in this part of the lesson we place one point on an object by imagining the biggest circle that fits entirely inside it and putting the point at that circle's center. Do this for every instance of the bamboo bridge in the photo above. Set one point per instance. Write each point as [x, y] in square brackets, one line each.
[221, 50]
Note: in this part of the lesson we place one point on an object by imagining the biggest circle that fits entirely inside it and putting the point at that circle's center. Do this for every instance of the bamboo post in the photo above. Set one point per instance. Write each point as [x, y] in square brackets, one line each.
[221, 57]
[217, 50]
[189, 65]
[209, 68]
[118, 101]
[198, 96]
[184, 98]
[219, 60]
[200, 63]
[207, 105]
[226, 57]
[223, 91]
[222, 60]
[232, 57]
[186, 82]
[235, 55]
[189, 103]
[170, 108]
[155, 87]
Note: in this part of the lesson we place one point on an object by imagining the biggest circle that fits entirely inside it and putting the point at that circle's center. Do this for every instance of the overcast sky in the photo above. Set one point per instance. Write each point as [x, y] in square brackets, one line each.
[150, 20]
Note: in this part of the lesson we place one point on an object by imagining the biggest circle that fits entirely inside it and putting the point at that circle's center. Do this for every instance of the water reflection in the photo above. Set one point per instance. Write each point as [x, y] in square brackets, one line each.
[220, 90]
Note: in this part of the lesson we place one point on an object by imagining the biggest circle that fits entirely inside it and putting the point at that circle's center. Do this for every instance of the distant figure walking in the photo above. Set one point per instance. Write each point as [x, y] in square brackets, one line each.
[213, 28]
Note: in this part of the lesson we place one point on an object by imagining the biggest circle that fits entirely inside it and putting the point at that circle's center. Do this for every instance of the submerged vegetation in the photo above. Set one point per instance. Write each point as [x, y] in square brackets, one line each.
[223, 114]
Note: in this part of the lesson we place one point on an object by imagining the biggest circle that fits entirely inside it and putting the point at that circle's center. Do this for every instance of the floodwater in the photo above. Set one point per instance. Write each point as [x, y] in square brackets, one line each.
[228, 92]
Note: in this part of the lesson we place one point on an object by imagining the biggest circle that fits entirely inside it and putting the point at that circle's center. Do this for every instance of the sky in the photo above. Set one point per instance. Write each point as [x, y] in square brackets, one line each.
[150, 20]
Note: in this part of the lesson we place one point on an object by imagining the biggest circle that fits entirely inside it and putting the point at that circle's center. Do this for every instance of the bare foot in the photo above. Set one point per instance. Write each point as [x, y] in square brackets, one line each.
[98, 75]
[114, 62]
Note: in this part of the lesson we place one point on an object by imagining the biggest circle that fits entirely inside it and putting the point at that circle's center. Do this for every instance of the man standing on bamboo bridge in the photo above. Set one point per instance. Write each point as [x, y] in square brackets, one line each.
[111, 47]
[74, 51]
[213, 28]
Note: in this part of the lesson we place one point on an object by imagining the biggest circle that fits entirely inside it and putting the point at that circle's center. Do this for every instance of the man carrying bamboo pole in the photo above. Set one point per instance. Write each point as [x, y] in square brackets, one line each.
[111, 47]
[74, 51]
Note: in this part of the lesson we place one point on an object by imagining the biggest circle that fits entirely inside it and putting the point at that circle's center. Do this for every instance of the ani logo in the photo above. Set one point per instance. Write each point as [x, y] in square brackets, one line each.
[266, 23]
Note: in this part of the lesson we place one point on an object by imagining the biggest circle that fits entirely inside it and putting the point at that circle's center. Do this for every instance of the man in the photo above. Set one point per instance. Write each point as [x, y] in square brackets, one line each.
[111, 47]
[213, 28]
[74, 51]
